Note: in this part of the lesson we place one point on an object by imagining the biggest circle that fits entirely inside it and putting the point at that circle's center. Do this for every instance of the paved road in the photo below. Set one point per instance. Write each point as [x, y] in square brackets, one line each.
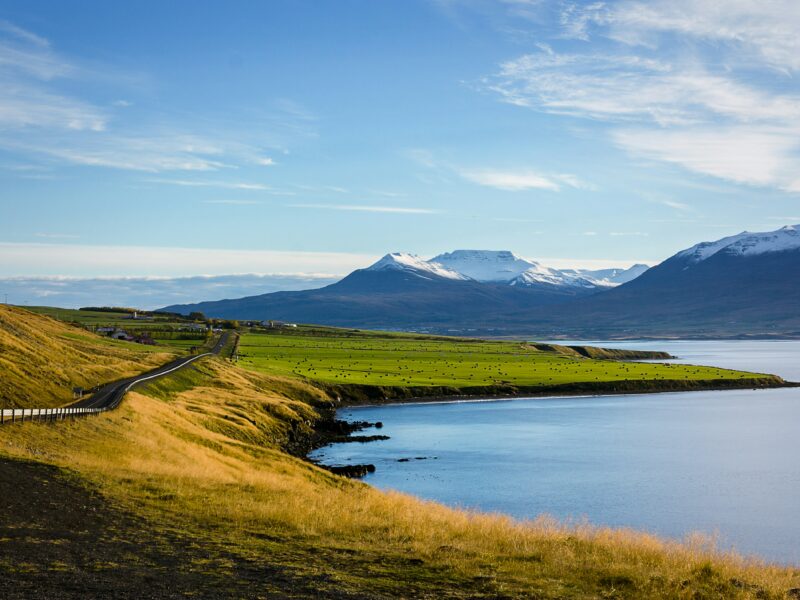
[110, 395]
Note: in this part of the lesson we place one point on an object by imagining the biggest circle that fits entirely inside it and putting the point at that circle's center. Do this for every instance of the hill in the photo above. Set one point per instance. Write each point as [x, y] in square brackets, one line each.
[42, 359]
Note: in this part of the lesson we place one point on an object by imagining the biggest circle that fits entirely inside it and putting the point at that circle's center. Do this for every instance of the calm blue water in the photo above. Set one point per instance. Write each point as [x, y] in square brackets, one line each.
[724, 463]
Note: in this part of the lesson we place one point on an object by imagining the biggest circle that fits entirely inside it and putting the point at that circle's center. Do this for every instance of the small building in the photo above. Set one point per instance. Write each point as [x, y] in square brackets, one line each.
[144, 338]
[121, 334]
[272, 324]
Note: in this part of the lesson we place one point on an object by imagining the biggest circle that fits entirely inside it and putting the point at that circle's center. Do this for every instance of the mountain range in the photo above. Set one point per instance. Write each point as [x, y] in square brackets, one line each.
[745, 284]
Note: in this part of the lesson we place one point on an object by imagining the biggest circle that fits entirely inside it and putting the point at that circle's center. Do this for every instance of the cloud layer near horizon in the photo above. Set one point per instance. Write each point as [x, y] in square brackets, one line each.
[147, 292]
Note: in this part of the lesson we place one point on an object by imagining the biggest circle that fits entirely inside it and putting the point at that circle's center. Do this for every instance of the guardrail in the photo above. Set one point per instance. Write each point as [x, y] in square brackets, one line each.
[115, 393]
[20, 415]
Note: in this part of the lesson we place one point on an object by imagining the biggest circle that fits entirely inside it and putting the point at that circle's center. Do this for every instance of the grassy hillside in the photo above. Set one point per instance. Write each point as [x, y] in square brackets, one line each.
[432, 366]
[42, 359]
[199, 461]
[165, 329]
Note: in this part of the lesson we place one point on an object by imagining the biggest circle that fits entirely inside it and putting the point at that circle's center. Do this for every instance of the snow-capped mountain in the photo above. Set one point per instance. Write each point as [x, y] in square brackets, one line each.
[502, 266]
[486, 265]
[410, 263]
[747, 244]
[741, 284]
[609, 277]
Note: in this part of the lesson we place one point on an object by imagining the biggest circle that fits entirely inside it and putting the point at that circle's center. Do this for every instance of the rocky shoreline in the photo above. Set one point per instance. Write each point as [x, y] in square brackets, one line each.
[330, 430]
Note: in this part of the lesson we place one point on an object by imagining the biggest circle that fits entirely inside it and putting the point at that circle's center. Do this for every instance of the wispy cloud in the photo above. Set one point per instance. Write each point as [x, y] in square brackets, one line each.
[57, 236]
[232, 202]
[230, 185]
[625, 87]
[515, 181]
[44, 114]
[763, 31]
[701, 108]
[510, 180]
[748, 155]
[367, 208]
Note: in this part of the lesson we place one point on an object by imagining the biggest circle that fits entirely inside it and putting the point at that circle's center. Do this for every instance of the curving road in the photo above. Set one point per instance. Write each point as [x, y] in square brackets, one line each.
[110, 395]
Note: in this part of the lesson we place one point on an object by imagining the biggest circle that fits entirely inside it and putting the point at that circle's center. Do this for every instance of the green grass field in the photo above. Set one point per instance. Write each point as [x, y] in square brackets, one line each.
[408, 361]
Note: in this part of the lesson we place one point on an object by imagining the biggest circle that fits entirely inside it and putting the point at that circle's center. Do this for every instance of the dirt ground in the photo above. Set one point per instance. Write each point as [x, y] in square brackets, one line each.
[61, 539]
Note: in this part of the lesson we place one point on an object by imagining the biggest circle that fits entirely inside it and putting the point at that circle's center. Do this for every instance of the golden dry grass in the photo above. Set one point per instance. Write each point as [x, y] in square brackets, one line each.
[42, 359]
[203, 453]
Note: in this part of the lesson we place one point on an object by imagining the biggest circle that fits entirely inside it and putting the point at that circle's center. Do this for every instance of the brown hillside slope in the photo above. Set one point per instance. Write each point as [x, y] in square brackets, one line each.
[42, 359]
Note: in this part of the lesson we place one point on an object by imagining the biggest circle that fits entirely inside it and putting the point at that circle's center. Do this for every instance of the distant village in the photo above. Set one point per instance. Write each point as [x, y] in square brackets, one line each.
[135, 335]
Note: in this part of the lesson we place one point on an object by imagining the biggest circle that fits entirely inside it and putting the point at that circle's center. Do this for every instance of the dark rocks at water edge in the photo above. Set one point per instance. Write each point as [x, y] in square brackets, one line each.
[362, 439]
[338, 427]
[354, 471]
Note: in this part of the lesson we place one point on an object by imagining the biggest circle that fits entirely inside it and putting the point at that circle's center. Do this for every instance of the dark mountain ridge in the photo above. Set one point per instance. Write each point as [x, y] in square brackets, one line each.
[744, 285]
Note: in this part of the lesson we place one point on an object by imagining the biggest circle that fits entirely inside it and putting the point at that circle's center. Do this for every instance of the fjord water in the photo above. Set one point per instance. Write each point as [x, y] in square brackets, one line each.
[723, 463]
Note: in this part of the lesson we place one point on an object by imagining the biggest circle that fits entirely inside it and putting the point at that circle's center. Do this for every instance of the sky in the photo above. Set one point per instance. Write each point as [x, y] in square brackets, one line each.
[303, 139]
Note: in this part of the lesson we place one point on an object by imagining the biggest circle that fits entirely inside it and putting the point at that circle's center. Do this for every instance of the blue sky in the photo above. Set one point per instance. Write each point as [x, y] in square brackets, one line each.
[184, 138]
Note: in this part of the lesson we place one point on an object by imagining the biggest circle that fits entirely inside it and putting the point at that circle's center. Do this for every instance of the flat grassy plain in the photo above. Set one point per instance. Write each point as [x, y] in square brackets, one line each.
[377, 359]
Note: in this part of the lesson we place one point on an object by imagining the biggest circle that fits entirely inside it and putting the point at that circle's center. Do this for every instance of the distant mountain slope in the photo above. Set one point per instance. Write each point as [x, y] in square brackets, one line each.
[397, 291]
[741, 285]
[42, 359]
[744, 284]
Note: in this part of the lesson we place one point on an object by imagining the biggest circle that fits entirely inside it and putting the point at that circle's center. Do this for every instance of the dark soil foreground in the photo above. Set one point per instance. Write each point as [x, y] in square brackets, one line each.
[61, 539]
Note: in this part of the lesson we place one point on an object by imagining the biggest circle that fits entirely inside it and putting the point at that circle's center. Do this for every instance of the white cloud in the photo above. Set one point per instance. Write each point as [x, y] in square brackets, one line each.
[233, 202]
[515, 181]
[746, 155]
[366, 208]
[719, 123]
[633, 88]
[265, 162]
[766, 31]
[230, 185]
[80, 260]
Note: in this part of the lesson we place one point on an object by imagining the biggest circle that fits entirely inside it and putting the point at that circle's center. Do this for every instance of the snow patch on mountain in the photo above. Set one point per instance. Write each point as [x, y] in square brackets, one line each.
[503, 266]
[402, 261]
[609, 277]
[747, 244]
[486, 265]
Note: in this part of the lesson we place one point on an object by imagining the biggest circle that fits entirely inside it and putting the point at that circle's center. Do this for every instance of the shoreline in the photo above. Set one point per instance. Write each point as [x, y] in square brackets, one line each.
[329, 429]
[357, 395]
[455, 399]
